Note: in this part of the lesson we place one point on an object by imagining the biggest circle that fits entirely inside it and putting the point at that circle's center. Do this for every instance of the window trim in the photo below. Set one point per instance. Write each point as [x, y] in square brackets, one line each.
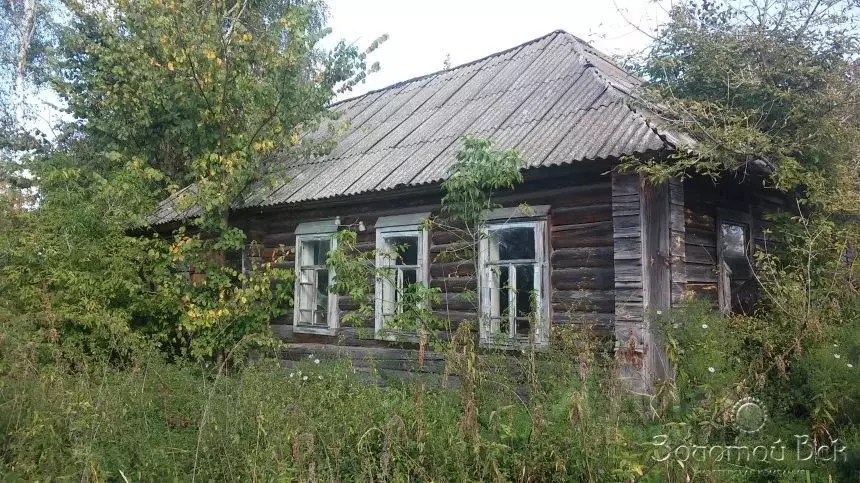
[387, 229]
[313, 231]
[490, 338]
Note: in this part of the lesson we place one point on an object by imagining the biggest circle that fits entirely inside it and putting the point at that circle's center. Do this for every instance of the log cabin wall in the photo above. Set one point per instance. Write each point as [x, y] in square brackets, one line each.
[706, 202]
[581, 247]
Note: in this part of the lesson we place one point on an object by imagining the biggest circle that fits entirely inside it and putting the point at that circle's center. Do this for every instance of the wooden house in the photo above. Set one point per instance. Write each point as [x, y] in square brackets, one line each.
[596, 247]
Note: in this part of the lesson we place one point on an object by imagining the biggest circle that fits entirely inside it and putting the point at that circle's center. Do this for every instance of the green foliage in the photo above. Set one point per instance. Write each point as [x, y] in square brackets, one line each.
[479, 172]
[315, 420]
[167, 92]
[769, 80]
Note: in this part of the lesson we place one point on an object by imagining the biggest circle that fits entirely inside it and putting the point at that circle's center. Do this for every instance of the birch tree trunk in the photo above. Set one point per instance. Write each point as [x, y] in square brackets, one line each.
[25, 36]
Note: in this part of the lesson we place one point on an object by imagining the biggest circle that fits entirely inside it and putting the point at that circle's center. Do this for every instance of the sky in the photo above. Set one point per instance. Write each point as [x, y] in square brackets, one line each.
[422, 34]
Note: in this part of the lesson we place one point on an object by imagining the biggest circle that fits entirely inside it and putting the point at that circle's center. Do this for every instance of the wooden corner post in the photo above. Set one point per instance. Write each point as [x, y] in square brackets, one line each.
[648, 255]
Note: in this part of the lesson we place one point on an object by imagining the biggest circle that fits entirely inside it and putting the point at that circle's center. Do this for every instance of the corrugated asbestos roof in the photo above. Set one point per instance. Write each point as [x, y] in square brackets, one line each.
[555, 99]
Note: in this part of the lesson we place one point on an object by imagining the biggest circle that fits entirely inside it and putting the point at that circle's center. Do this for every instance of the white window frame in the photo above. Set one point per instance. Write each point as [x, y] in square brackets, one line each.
[490, 334]
[308, 232]
[393, 227]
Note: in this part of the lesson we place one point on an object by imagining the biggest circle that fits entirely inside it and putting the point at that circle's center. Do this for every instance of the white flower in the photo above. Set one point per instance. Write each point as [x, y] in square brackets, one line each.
[292, 374]
[712, 370]
[704, 326]
[675, 326]
[850, 365]
[304, 378]
[659, 312]
[319, 377]
[835, 345]
[310, 356]
[836, 356]
[316, 361]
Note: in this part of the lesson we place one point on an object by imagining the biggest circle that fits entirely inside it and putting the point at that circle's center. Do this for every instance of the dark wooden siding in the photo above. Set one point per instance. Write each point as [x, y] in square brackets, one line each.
[581, 256]
[705, 202]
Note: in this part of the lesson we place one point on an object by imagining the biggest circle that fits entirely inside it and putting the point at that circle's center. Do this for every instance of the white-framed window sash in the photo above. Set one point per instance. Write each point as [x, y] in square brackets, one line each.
[402, 258]
[507, 309]
[315, 308]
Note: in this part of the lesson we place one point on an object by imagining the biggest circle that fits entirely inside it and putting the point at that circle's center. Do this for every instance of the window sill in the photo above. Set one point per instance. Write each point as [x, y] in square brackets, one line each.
[304, 329]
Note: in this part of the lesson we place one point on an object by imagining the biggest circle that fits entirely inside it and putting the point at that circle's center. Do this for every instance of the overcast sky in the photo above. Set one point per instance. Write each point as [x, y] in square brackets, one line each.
[422, 33]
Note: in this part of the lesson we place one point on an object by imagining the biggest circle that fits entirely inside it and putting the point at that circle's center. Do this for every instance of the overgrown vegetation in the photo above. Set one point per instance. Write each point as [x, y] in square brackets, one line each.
[140, 358]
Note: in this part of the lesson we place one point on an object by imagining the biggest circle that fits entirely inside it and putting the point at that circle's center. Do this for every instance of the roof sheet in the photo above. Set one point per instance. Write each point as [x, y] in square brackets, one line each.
[555, 98]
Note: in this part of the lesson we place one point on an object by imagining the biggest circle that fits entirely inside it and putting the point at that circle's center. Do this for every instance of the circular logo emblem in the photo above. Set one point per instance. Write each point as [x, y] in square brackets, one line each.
[749, 415]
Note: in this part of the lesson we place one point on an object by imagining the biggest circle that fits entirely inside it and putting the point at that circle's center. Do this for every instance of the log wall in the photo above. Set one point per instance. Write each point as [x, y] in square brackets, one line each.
[580, 223]
[705, 203]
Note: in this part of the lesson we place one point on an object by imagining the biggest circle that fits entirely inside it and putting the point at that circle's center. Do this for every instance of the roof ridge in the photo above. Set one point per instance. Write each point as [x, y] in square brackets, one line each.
[449, 69]
[620, 93]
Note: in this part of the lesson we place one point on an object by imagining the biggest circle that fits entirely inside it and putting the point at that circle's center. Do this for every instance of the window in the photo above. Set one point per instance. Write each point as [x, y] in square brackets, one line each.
[513, 280]
[315, 308]
[402, 262]
[733, 247]
[735, 268]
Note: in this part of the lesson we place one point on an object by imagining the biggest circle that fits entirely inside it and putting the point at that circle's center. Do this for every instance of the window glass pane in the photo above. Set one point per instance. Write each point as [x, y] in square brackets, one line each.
[734, 242]
[410, 276]
[317, 251]
[514, 243]
[523, 326]
[406, 248]
[305, 316]
[322, 298]
[525, 286]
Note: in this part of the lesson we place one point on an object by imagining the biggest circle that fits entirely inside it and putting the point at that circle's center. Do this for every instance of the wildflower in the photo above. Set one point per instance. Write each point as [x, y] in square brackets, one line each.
[310, 356]
[712, 370]
[850, 365]
[835, 345]
[675, 325]
[704, 326]
[659, 312]
[319, 377]
[292, 374]
[316, 361]
[836, 356]
[304, 378]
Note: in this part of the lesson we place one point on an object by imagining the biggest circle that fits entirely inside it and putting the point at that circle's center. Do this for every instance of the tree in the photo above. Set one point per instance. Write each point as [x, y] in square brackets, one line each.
[770, 88]
[762, 83]
[188, 92]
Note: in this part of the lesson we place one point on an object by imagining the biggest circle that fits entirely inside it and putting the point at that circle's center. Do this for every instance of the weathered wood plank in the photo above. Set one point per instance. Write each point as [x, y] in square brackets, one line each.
[582, 257]
[583, 278]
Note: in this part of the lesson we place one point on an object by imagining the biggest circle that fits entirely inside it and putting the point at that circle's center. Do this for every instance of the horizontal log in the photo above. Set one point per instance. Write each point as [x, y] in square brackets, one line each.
[701, 273]
[458, 302]
[701, 254]
[595, 319]
[454, 284]
[585, 235]
[581, 214]
[583, 301]
[582, 257]
[583, 278]
[695, 237]
[452, 269]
